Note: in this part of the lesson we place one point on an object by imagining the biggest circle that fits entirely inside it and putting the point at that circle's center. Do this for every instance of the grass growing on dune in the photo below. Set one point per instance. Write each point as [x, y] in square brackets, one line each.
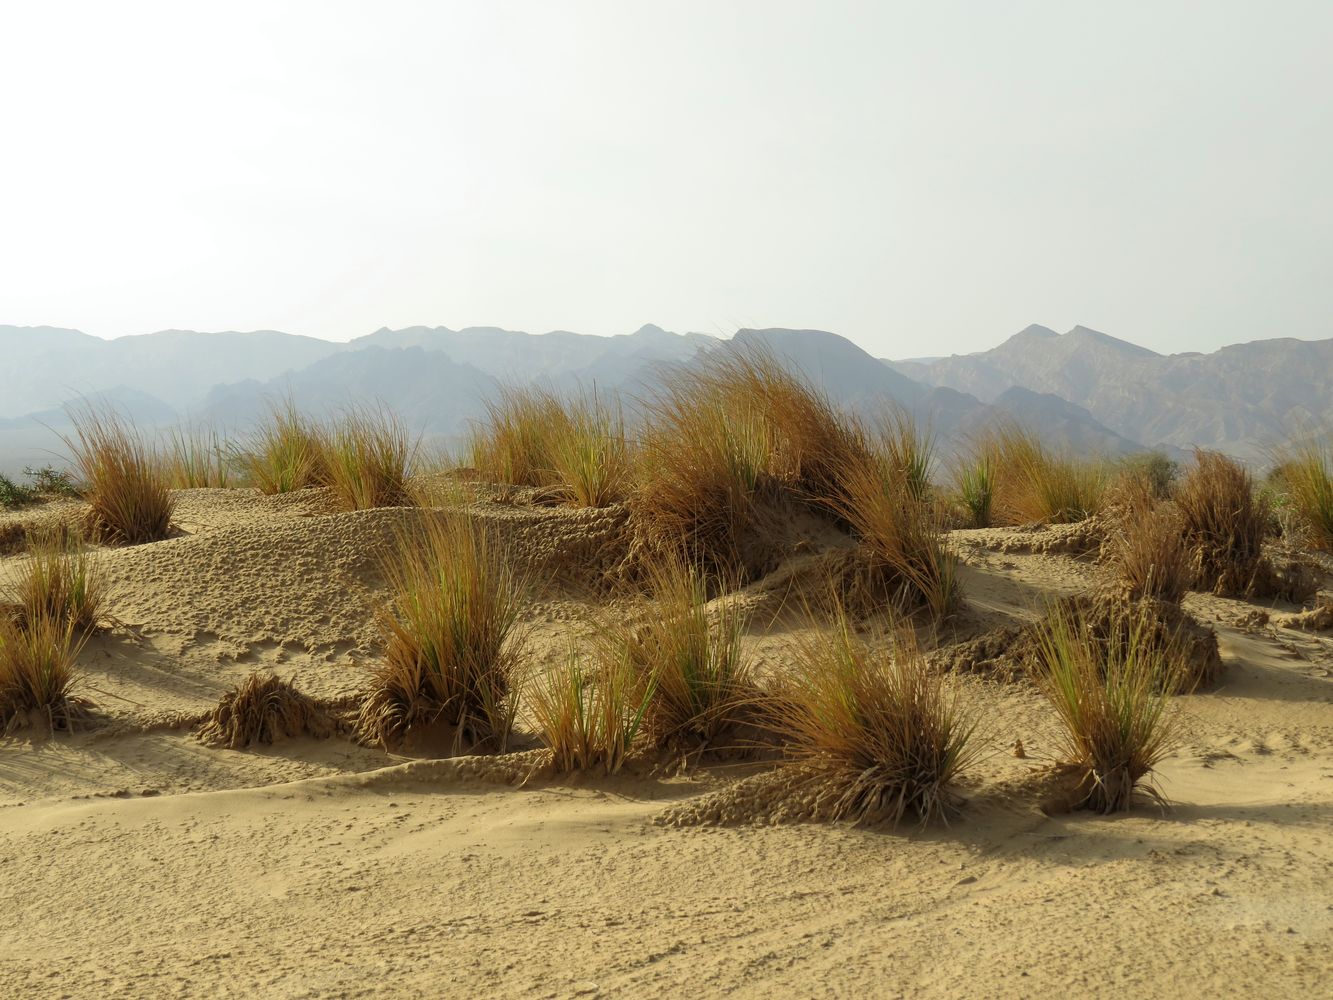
[198, 457]
[1113, 696]
[703, 684]
[450, 637]
[1034, 483]
[589, 454]
[38, 675]
[513, 445]
[263, 709]
[1306, 476]
[368, 459]
[883, 736]
[723, 439]
[1224, 523]
[1149, 553]
[123, 482]
[589, 712]
[287, 452]
[60, 581]
[974, 486]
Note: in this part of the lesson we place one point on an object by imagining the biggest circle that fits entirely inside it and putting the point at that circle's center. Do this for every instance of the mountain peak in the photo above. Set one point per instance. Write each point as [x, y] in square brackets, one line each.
[1036, 330]
[1083, 333]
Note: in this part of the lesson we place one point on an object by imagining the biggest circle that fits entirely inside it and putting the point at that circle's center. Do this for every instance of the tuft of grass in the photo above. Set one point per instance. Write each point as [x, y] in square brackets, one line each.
[61, 581]
[514, 444]
[368, 458]
[589, 455]
[899, 525]
[974, 485]
[198, 457]
[724, 438]
[450, 634]
[287, 452]
[1112, 695]
[1035, 484]
[129, 495]
[883, 735]
[1306, 475]
[263, 709]
[1149, 553]
[1155, 469]
[589, 716]
[1224, 523]
[703, 685]
[38, 674]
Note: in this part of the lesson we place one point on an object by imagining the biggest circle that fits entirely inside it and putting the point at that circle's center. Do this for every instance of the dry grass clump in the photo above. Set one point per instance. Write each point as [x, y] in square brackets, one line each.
[882, 735]
[589, 713]
[1224, 524]
[287, 452]
[703, 686]
[1034, 484]
[61, 581]
[37, 674]
[974, 482]
[122, 479]
[726, 439]
[263, 709]
[1149, 553]
[450, 637]
[368, 458]
[513, 445]
[1306, 476]
[589, 454]
[884, 495]
[1112, 695]
[198, 457]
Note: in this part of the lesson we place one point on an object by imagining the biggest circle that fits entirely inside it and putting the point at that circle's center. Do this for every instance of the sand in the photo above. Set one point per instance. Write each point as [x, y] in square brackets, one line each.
[136, 862]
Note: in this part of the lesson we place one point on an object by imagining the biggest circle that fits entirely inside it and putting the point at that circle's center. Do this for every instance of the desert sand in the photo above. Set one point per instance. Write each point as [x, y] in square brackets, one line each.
[137, 862]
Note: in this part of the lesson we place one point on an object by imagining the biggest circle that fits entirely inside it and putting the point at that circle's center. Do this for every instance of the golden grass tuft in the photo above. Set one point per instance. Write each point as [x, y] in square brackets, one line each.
[450, 637]
[1035, 484]
[368, 459]
[690, 651]
[123, 482]
[1112, 694]
[287, 452]
[61, 581]
[513, 445]
[725, 439]
[1224, 524]
[974, 482]
[1149, 553]
[589, 454]
[38, 675]
[198, 457]
[1306, 476]
[590, 714]
[882, 735]
[883, 493]
[263, 709]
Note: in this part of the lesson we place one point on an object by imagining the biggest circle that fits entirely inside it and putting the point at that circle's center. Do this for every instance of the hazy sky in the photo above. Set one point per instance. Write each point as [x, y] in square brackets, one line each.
[921, 177]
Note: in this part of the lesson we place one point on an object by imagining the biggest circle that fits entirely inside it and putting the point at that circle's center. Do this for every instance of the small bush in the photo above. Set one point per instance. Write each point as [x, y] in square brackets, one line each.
[51, 482]
[287, 453]
[1149, 553]
[368, 460]
[590, 716]
[1155, 469]
[198, 457]
[1306, 479]
[1112, 694]
[263, 709]
[703, 686]
[61, 581]
[124, 484]
[38, 675]
[450, 637]
[14, 494]
[883, 735]
[1224, 524]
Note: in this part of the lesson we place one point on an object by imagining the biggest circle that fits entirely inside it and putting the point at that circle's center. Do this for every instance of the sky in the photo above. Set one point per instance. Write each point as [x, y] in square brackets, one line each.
[923, 178]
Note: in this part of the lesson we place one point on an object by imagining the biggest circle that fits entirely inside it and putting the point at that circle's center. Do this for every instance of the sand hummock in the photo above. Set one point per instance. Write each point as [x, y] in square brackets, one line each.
[139, 862]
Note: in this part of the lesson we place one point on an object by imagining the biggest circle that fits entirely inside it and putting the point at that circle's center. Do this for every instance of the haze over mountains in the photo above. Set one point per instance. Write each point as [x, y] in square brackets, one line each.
[1082, 388]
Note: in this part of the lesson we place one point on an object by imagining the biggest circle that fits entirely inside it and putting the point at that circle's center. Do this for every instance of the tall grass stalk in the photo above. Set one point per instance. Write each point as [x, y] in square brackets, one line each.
[129, 495]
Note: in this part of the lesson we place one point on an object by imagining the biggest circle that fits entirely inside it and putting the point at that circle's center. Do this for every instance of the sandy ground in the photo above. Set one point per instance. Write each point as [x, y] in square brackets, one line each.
[136, 862]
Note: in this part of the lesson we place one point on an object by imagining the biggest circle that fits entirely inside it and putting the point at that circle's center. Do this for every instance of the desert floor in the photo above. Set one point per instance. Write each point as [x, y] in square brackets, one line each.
[136, 862]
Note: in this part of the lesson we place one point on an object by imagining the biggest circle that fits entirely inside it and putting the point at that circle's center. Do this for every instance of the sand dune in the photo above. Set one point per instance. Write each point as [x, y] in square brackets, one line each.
[139, 863]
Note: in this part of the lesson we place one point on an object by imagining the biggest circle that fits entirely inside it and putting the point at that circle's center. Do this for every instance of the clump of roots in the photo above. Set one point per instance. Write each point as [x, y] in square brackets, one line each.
[264, 709]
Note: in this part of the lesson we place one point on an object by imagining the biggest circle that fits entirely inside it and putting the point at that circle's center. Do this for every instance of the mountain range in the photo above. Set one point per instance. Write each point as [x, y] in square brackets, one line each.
[1080, 389]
